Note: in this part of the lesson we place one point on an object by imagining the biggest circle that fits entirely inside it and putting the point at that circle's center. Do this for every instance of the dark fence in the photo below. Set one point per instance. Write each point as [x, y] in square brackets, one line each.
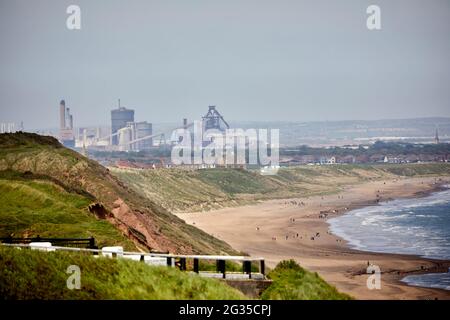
[88, 243]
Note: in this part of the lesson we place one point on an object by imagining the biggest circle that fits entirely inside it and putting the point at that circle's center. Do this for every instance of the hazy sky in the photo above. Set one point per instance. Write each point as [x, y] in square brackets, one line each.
[255, 60]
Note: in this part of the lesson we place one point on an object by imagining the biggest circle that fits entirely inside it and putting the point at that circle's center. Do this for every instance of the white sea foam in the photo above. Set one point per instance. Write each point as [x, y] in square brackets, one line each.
[399, 225]
[431, 280]
[418, 226]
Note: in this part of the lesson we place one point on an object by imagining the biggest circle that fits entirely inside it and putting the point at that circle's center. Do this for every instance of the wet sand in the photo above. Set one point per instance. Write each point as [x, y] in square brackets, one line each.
[295, 228]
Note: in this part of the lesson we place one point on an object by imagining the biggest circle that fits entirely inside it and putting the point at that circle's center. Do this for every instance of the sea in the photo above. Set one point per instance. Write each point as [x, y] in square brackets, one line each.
[417, 226]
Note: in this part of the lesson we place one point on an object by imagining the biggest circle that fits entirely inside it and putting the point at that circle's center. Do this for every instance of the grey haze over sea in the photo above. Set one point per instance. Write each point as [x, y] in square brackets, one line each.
[418, 226]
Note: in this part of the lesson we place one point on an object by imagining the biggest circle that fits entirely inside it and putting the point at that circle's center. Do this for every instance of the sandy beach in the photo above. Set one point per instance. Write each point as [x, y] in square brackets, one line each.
[298, 229]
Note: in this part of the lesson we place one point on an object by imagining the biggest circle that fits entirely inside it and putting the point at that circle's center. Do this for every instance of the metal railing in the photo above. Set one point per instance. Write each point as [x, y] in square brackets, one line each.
[177, 260]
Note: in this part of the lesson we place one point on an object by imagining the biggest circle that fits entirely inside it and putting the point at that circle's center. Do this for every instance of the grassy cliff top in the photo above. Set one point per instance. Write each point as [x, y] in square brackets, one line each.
[34, 206]
[30, 163]
[292, 282]
[25, 139]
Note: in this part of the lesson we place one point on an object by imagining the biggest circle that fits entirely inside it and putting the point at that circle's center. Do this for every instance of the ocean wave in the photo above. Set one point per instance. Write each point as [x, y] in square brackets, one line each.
[430, 280]
[426, 216]
[419, 226]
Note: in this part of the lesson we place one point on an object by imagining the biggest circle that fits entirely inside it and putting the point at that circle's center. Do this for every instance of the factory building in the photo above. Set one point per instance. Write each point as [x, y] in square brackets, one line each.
[66, 134]
[92, 136]
[143, 129]
[124, 137]
[128, 134]
[136, 136]
[119, 119]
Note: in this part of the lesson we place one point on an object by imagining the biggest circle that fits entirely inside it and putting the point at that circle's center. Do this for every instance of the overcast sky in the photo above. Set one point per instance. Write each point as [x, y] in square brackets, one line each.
[255, 60]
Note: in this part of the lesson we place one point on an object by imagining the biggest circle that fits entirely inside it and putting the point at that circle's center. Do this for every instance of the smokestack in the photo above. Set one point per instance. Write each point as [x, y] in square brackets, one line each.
[67, 117]
[185, 123]
[62, 114]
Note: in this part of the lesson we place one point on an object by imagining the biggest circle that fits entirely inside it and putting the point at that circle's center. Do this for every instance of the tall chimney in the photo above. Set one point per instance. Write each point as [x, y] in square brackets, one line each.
[67, 117]
[62, 114]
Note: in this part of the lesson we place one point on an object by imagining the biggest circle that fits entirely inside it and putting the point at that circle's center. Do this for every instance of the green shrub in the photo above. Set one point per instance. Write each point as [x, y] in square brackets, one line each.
[32, 274]
[292, 282]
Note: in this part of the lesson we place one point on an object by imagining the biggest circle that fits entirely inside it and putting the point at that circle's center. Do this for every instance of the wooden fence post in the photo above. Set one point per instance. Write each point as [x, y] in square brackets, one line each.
[196, 270]
[220, 264]
[92, 243]
[247, 265]
[183, 264]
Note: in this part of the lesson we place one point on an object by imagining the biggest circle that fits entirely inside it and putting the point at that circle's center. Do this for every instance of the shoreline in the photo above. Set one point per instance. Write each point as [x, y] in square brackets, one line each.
[301, 230]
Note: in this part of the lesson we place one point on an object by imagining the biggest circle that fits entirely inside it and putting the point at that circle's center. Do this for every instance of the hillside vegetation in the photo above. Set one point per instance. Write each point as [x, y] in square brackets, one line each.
[50, 190]
[292, 282]
[31, 274]
[180, 190]
[32, 206]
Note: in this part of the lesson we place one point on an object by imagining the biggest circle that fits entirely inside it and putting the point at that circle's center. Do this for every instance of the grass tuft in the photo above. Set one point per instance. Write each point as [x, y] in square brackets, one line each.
[292, 282]
[32, 274]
